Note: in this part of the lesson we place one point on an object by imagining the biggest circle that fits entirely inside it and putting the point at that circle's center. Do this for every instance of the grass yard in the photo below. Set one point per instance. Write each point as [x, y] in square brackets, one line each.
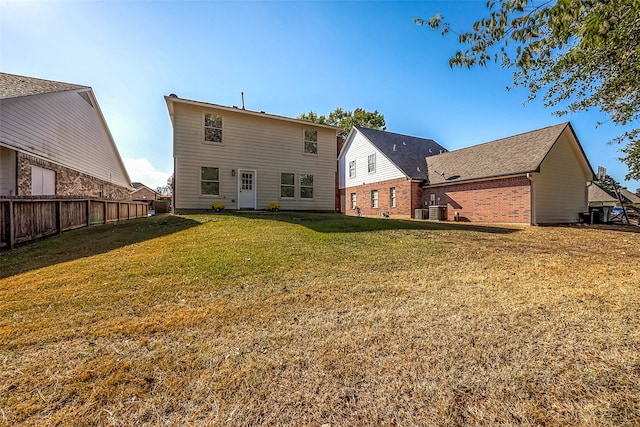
[310, 319]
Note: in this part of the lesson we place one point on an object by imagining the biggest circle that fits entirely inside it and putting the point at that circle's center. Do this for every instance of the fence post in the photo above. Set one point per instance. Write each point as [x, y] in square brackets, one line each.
[12, 225]
[59, 217]
[88, 212]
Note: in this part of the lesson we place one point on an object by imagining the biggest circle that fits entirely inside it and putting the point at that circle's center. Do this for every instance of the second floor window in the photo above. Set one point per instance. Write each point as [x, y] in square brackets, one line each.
[212, 127]
[352, 169]
[311, 142]
[372, 163]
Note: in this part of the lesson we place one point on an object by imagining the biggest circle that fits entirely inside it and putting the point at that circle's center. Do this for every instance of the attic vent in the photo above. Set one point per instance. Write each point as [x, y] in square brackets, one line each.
[85, 96]
[173, 95]
[404, 143]
[418, 169]
[394, 147]
[430, 151]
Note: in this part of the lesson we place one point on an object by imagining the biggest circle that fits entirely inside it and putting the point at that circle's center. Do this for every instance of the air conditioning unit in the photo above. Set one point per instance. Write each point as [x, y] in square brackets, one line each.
[438, 213]
[421, 214]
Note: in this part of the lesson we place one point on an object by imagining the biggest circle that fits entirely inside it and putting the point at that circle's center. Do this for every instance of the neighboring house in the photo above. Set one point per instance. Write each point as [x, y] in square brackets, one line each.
[628, 197]
[54, 141]
[143, 193]
[538, 177]
[249, 159]
[382, 172]
[601, 203]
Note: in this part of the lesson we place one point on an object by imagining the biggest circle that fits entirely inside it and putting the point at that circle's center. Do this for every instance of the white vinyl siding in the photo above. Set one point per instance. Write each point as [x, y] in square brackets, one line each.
[266, 145]
[560, 189]
[65, 129]
[7, 172]
[358, 150]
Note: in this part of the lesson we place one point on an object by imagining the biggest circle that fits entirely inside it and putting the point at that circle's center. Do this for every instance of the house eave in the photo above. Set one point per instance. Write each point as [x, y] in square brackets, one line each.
[170, 99]
[482, 179]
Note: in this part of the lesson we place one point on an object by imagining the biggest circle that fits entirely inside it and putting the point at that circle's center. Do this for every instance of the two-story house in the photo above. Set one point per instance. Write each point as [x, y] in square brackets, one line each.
[249, 159]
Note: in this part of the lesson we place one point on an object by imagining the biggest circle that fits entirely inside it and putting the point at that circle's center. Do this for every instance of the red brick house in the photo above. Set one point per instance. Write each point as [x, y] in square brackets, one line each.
[381, 173]
[538, 177]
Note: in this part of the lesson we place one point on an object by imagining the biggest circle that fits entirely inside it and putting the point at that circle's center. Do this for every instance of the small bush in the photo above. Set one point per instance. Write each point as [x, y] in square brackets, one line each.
[274, 206]
[217, 206]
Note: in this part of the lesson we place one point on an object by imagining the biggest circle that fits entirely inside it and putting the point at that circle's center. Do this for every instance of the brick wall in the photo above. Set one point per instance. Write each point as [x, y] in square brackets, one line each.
[144, 194]
[408, 197]
[68, 181]
[501, 200]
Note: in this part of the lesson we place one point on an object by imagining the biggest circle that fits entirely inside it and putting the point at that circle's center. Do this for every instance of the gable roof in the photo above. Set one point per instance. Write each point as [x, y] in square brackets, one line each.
[514, 155]
[14, 86]
[175, 99]
[629, 196]
[406, 152]
[599, 194]
[140, 186]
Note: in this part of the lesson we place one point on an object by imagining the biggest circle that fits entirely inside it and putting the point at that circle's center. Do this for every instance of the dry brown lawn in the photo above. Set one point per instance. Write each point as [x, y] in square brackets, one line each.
[308, 319]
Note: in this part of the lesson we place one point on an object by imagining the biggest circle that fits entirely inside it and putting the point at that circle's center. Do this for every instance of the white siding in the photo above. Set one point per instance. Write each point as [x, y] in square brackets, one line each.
[264, 144]
[65, 129]
[560, 189]
[358, 150]
[7, 172]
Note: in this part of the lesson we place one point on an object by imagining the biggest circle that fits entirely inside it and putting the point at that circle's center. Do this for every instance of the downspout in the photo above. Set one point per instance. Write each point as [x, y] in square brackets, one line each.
[533, 199]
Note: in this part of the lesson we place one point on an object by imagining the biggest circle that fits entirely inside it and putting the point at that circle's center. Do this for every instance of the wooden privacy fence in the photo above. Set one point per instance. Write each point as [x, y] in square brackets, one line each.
[23, 220]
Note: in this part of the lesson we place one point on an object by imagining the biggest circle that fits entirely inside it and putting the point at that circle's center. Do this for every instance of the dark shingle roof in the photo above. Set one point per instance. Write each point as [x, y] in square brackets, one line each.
[13, 86]
[514, 155]
[406, 152]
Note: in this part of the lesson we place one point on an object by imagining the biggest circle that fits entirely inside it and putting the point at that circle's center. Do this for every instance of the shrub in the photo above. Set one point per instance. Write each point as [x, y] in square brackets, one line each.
[217, 206]
[274, 206]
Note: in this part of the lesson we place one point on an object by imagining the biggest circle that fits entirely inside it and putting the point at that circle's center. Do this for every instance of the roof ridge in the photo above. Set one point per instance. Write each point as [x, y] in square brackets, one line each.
[564, 125]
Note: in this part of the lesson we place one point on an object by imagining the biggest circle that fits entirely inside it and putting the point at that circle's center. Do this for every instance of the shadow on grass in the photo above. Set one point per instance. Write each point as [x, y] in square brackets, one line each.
[338, 223]
[88, 241]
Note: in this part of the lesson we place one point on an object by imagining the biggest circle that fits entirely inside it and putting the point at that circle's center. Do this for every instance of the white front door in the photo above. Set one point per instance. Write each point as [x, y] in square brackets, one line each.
[247, 191]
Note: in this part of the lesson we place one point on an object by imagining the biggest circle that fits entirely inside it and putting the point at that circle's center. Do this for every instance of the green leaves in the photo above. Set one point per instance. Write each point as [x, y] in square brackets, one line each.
[347, 119]
[576, 54]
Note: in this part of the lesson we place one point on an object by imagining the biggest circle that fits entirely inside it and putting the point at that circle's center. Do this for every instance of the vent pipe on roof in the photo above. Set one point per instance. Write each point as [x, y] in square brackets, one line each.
[242, 93]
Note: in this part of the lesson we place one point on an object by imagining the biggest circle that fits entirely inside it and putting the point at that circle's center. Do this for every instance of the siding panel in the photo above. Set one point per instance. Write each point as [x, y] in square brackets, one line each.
[359, 150]
[63, 128]
[560, 189]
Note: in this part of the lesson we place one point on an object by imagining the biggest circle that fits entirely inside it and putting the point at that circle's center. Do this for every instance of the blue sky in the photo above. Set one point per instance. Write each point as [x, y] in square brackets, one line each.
[287, 57]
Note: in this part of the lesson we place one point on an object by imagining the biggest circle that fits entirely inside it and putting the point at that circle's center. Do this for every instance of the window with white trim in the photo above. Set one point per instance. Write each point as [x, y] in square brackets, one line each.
[353, 200]
[352, 169]
[209, 181]
[306, 186]
[392, 197]
[372, 163]
[43, 181]
[212, 127]
[311, 142]
[287, 185]
[374, 199]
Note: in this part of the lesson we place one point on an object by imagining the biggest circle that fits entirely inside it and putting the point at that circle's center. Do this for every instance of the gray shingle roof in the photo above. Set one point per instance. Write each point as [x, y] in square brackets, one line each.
[14, 86]
[406, 152]
[599, 194]
[514, 155]
[628, 196]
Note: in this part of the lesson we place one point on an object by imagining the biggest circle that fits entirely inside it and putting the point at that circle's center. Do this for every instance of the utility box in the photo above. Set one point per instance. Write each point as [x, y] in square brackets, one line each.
[438, 213]
[421, 214]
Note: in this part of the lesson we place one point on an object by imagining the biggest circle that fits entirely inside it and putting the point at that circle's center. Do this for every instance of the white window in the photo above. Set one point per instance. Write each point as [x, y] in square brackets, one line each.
[392, 197]
[43, 181]
[212, 127]
[374, 199]
[372, 163]
[209, 181]
[306, 186]
[311, 142]
[287, 185]
[353, 200]
[352, 169]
